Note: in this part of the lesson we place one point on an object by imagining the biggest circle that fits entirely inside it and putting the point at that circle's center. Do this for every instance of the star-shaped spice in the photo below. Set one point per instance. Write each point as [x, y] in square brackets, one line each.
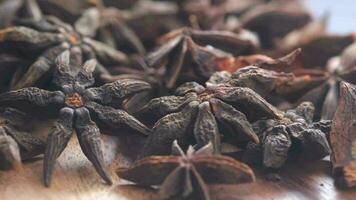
[44, 40]
[181, 44]
[16, 143]
[77, 103]
[207, 112]
[184, 176]
[294, 134]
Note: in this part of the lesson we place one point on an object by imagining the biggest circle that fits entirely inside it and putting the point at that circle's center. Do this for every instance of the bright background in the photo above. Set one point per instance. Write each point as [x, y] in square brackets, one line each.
[343, 13]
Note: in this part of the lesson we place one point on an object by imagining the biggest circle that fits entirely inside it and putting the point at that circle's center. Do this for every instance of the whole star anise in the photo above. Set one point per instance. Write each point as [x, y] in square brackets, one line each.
[44, 40]
[179, 45]
[77, 103]
[207, 112]
[295, 133]
[16, 143]
[184, 176]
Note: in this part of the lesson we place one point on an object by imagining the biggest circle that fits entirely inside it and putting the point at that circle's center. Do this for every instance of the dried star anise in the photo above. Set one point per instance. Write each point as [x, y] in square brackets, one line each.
[343, 138]
[207, 112]
[318, 46]
[266, 76]
[231, 64]
[275, 86]
[108, 25]
[76, 104]
[294, 134]
[184, 176]
[216, 15]
[275, 20]
[180, 45]
[10, 10]
[8, 66]
[151, 75]
[44, 40]
[16, 143]
[325, 96]
[150, 19]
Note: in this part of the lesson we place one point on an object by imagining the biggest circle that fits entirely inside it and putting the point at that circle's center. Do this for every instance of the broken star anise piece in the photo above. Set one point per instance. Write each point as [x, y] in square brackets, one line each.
[205, 111]
[296, 134]
[77, 103]
[44, 40]
[201, 46]
[16, 143]
[185, 176]
[343, 138]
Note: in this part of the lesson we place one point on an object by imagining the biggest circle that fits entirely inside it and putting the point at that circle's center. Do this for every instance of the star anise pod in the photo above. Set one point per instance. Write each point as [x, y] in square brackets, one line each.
[343, 137]
[232, 64]
[16, 143]
[180, 45]
[325, 96]
[142, 72]
[315, 42]
[316, 52]
[208, 112]
[185, 176]
[76, 104]
[273, 85]
[11, 10]
[8, 66]
[151, 19]
[108, 24]
[275, 20]
[44, 40]
[215, 15]
[295, 133]
[270, 78]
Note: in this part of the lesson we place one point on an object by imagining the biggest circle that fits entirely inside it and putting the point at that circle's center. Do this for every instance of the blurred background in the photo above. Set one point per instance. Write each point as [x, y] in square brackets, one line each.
[342, 13]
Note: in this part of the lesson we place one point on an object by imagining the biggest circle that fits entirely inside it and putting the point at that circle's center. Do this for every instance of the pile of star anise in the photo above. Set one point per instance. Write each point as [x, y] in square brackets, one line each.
[191, 76]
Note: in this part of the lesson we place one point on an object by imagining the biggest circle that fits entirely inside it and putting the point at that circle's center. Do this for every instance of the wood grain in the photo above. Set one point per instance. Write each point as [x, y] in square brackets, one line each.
[74, 178]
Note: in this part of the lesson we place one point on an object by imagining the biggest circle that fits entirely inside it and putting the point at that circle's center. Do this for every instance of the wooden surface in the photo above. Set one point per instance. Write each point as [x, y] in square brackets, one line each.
[75, 178]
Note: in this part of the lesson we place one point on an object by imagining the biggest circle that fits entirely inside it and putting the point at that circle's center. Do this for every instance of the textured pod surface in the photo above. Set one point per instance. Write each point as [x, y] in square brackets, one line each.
[343, 138]
[74, 103]
[185, 175]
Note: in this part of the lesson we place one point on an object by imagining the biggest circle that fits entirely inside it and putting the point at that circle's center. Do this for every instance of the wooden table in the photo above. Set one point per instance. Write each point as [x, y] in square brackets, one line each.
[75, 178]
